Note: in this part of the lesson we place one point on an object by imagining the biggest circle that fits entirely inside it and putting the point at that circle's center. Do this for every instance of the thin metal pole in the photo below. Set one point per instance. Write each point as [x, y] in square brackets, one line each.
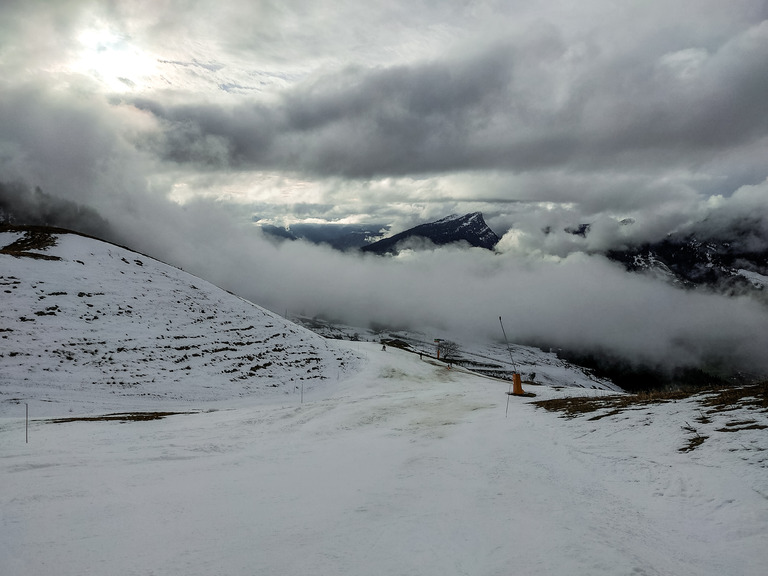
[507, 341]
[514, 366]
[26, 426]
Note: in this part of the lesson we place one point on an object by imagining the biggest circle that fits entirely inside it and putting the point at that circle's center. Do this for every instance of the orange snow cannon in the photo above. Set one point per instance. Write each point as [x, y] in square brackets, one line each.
[517, 385]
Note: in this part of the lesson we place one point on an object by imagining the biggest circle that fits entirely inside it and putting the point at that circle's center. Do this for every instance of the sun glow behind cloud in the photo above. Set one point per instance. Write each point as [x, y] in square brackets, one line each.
[112, 60]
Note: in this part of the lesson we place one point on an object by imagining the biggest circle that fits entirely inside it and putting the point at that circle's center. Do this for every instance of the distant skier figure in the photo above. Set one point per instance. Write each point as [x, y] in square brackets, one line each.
[384, 347]
[419, 355]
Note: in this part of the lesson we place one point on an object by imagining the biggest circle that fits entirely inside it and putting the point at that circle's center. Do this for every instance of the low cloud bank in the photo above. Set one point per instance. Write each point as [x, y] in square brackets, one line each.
[579, 302]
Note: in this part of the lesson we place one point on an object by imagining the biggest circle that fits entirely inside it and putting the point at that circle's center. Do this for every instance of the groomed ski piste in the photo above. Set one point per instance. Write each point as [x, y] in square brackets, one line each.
[393, 465]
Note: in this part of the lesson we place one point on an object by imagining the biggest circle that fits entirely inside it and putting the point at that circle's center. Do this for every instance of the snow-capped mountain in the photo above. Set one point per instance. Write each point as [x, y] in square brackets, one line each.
[690, 262]
[470, 228]
[82, 319]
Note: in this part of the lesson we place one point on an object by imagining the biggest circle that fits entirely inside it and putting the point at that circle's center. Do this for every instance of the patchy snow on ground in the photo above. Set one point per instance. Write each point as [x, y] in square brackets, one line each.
[392, 465]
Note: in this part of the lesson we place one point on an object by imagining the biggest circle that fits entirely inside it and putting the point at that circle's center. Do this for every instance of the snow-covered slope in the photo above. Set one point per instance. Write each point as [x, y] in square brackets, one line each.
[406, 467]
[483, 357]
[85, 325]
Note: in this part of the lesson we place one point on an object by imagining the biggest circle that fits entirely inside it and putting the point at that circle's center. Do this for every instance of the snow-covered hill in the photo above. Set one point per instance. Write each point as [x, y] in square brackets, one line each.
[86, 325]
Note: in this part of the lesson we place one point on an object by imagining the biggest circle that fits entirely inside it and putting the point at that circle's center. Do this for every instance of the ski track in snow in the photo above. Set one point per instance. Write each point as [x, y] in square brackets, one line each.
[393, 466]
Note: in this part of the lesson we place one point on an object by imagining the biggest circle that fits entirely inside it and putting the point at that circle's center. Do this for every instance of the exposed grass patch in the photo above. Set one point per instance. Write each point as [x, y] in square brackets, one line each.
[753, 396]
[119, 417]
[693, 443]
[714, 401]
[33, 239]
[742, 425]
[578, 406]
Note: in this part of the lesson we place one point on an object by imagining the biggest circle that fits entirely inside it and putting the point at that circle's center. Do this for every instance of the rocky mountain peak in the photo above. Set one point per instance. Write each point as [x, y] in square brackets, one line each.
[470, 228]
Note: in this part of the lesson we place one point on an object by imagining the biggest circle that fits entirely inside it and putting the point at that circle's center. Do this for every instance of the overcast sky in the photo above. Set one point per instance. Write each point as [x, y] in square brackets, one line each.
[181, 121]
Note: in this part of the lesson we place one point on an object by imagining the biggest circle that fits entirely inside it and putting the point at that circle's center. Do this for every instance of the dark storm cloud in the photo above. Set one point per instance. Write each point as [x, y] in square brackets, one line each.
[213, 136]
[21, 206]
[44, 133]
[494, 110]
[682, 101]
[354, 123]
[75, 148]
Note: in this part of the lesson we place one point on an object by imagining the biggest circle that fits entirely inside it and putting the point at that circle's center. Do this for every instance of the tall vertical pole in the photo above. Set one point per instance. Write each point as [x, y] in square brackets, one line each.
[26, 426]
[514, 366]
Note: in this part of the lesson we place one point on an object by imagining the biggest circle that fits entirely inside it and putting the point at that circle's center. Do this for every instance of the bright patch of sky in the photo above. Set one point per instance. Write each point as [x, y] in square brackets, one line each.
[114, 61]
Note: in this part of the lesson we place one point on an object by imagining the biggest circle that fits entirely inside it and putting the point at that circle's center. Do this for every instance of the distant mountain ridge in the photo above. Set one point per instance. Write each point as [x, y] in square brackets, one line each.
[470, 228]
[338, 236]
[729, 260]
[689, 262]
